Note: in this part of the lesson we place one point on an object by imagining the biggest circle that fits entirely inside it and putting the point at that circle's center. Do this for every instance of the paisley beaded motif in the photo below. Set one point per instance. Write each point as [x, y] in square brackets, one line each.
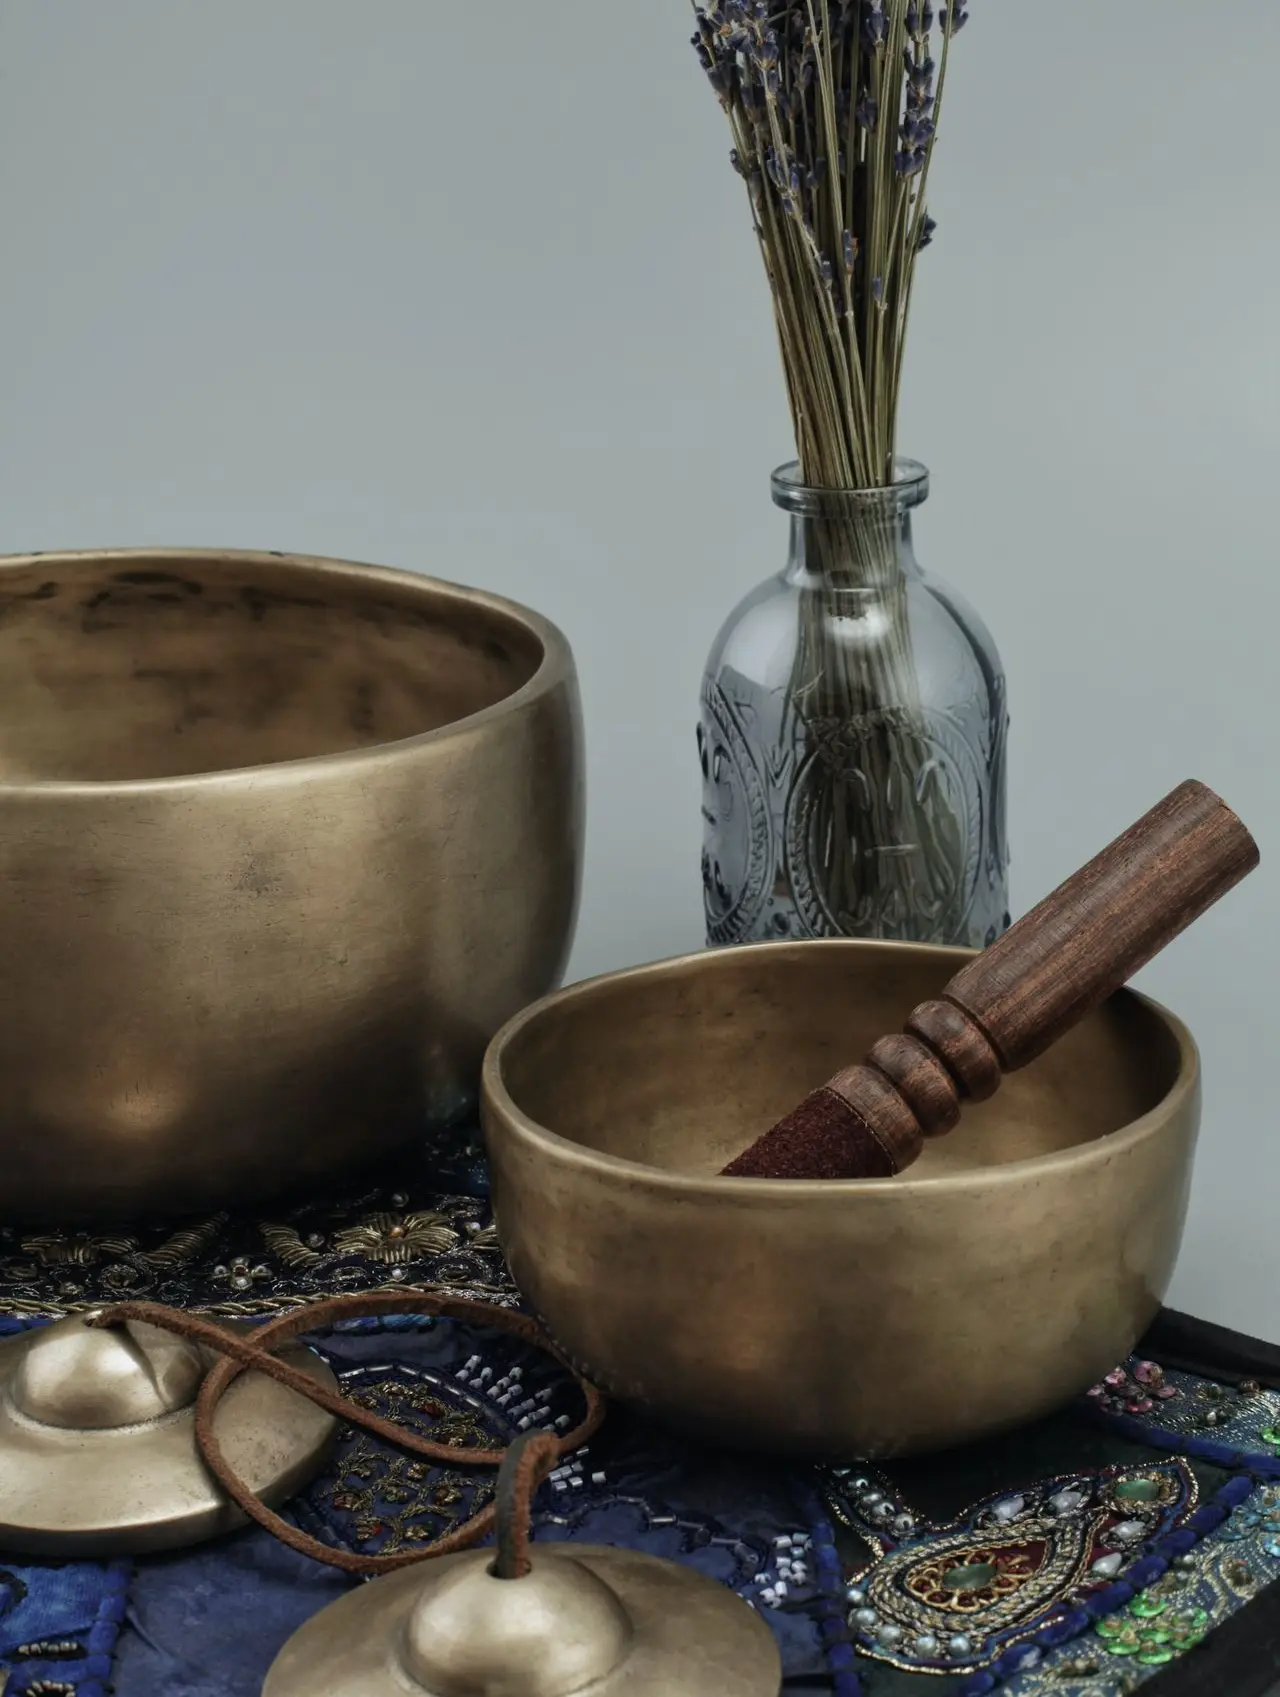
[952, 1597]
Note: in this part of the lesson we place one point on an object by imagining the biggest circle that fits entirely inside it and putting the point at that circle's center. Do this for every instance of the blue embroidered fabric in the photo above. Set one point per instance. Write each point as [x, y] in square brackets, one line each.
[876, 1582]
[1109, 1548]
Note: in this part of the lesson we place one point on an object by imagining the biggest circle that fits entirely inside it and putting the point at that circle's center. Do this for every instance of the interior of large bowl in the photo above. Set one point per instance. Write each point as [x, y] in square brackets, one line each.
[119, 667]
[682, 1065]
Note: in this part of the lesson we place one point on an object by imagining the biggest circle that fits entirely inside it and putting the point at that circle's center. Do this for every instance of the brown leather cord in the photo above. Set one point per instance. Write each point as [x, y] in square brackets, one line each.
[528, 1461]
[239, 1353]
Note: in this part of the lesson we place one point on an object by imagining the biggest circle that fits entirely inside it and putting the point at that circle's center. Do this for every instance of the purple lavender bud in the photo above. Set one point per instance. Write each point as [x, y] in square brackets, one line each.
[875, 26]
[909, 161]
[954, 17]
[927, 227]
[866, 113]
[850, 246]
[735, 159]
[718, 75]
[916, 133]
[727, 29]
[828, 275]
[919, 73]
[877, 290]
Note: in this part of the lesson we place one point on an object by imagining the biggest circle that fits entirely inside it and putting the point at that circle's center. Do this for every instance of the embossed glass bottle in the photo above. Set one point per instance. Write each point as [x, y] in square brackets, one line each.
[852, 735]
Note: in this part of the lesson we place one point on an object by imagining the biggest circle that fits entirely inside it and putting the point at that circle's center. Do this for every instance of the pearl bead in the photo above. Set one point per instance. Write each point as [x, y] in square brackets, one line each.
[1009, 1510]
[1129, 1532]
[866, 1620]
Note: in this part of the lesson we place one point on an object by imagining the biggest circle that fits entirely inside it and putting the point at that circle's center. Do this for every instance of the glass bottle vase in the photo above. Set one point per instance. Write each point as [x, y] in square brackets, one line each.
[852, 736]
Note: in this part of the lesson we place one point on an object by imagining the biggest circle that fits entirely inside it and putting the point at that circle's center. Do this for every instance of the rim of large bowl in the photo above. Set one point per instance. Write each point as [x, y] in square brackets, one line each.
[554, 668]
[750, 1190]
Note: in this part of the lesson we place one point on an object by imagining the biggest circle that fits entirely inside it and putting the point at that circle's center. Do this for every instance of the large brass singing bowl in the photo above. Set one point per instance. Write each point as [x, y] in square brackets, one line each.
[1018, 1262]
[283, 841]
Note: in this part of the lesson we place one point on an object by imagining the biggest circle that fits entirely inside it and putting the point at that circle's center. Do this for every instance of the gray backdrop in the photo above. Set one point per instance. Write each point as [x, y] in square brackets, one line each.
[471, 289]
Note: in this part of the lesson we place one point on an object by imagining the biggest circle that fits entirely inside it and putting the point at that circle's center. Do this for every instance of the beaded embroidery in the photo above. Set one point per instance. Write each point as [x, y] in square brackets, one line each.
[1244, 1417]
[1203, 1588]
[1083, 1585]
[401, 1232]
[952, 1598]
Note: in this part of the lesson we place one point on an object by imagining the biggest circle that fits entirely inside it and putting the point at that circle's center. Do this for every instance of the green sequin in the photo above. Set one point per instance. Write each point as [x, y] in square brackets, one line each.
[1122, 1636]
[1271, 1435]
[1186, 1637]
[1147, 1607]
[1156, 1654]
[1188, 1620]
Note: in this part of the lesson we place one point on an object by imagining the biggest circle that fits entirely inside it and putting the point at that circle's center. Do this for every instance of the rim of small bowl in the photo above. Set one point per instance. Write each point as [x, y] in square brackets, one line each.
[1109, 1144]
[555, 666]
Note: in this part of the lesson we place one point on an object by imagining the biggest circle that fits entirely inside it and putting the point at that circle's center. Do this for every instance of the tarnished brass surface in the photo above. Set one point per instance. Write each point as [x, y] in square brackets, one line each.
[98, 1453]
[1016, 1263]
[282, 843]
[614, 1622]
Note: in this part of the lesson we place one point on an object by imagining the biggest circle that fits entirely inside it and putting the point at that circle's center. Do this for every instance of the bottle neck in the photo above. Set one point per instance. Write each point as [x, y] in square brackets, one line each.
[859, 548]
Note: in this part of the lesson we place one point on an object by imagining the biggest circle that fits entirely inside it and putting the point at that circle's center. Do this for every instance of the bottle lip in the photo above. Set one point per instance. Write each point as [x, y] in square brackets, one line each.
[909, 488]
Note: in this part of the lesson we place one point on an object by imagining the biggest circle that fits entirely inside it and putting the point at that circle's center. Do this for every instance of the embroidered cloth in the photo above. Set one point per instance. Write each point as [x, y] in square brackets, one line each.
[1131, 1542]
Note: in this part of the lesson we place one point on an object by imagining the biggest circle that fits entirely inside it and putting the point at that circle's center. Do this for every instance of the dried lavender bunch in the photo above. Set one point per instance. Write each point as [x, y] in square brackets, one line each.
[833, 105]
[834, 108]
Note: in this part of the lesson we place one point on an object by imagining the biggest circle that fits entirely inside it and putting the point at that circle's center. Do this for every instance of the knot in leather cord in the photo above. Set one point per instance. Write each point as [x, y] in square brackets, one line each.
[523, 1466]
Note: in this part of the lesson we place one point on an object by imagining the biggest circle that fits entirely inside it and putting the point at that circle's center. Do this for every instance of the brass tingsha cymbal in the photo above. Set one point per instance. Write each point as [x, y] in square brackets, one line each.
[97, 1440]
[614, 1622]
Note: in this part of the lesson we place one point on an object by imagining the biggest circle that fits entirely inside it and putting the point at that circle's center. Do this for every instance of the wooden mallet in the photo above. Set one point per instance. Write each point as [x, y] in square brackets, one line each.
[1016, 998]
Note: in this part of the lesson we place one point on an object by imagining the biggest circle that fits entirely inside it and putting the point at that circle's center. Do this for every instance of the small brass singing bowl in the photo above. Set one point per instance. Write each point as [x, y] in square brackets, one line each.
[1011, 1268]
[283, 841]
